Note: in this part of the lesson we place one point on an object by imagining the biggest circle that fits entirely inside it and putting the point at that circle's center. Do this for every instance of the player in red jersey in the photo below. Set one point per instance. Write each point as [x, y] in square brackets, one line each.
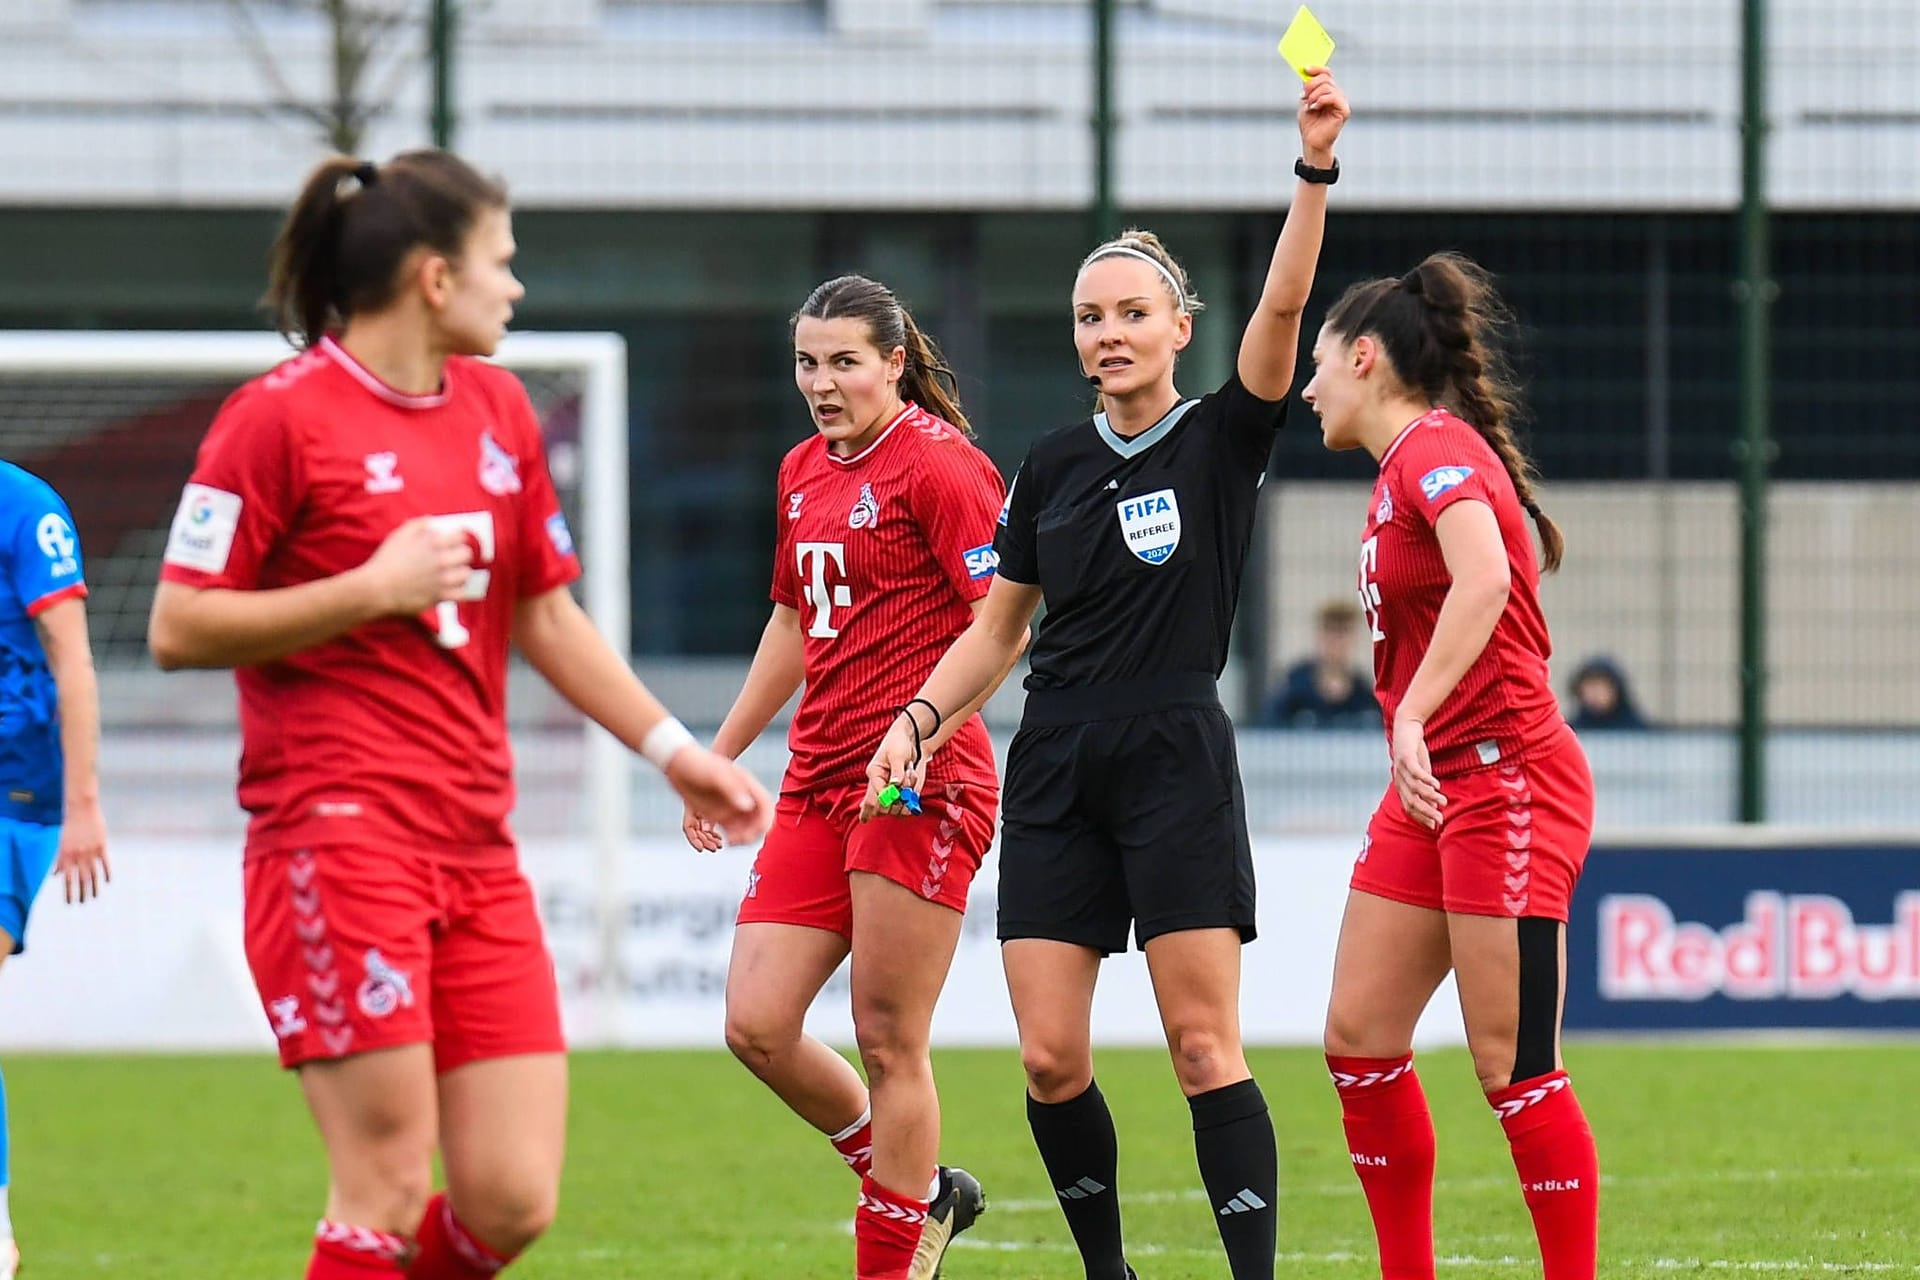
[883, 553]
[367, 529]
[1470, 861]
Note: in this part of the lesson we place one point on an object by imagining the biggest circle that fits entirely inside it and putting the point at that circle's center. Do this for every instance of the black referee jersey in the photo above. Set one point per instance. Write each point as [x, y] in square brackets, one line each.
[1138, 545]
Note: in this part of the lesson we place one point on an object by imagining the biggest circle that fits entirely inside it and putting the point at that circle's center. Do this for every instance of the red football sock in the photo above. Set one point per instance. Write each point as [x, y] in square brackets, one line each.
[1390, 1137]
[1559, 1171]
[345, 1252]
[448, 1251]
[855, 1144]
[886, 1231]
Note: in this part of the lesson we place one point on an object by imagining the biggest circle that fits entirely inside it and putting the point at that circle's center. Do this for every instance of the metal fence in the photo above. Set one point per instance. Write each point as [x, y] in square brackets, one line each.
[686, 169]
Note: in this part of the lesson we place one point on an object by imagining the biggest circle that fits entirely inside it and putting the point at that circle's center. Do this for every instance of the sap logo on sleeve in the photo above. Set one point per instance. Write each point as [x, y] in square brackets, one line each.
[1441, 479]
[559, 535]
[982, 561]
[203, 529]
[57, 544]
[1151, 524]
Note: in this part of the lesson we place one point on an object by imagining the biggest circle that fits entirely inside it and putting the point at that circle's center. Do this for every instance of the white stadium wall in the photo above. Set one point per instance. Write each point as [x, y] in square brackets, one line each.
[158, 962]
[1479, 104]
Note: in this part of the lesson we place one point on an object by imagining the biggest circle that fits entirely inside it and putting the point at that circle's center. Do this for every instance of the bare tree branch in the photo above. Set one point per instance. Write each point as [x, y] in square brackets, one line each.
[362, 36]
[256, 45]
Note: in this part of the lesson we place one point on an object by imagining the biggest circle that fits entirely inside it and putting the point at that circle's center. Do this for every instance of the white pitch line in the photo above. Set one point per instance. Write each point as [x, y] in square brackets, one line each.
[1801, 1266]
[1182, 1251]
[1447, 1185]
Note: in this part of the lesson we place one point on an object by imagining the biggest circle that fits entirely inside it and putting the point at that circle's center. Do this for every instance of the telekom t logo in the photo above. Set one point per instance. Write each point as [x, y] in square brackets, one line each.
[822, 594]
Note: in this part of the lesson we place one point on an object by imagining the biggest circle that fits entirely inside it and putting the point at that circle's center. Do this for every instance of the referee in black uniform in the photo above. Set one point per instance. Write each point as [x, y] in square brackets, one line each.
[1122, 805]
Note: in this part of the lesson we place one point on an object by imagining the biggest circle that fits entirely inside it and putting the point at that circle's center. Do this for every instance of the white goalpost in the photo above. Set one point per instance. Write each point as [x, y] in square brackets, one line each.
[119, 413]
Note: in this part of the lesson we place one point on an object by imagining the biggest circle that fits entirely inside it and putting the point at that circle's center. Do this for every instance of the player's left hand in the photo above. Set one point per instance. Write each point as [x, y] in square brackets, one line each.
[82, 861]
[1323, 113]
[1413, 776]
[899, 762]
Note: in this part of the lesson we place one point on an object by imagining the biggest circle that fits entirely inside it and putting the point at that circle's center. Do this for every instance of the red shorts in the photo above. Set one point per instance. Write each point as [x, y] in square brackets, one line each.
[800, 875]
[353, 950]
[1512, 844]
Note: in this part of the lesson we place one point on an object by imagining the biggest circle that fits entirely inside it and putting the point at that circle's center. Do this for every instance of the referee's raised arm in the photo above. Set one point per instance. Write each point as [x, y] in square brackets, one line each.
[1268, 347]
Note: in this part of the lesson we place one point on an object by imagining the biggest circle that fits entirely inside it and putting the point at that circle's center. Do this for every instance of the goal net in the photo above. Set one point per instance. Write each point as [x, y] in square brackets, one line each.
[113, 421]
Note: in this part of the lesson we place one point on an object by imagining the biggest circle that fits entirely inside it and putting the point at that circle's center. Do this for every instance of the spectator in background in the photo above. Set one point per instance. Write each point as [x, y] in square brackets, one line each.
[1601, 699]
[1328, 690]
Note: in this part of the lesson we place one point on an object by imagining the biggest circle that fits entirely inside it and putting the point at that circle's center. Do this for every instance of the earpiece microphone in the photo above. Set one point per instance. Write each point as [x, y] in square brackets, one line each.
[1093, 380]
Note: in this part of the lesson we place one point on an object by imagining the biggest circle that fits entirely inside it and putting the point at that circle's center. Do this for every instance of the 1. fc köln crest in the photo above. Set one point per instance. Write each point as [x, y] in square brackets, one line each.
[1151, 524]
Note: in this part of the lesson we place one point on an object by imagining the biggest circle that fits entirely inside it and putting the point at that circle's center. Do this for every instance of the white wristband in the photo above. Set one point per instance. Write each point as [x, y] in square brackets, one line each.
[663, 742]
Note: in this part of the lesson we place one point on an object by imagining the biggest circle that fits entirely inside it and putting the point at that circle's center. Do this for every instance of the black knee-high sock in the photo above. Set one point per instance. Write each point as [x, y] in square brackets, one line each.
[1082, 1155]
[1233, 1139]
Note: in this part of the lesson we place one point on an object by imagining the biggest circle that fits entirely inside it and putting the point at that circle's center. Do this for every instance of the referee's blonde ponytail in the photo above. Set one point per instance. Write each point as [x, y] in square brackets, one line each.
[1441, 325]
[926, 378]
[340, 250]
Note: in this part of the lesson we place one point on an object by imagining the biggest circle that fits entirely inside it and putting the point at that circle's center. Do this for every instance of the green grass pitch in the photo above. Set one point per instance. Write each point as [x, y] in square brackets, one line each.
[1717, 1161]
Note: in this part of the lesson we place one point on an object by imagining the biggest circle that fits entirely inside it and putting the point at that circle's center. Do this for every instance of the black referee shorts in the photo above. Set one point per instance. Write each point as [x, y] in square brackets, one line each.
[1115, 816]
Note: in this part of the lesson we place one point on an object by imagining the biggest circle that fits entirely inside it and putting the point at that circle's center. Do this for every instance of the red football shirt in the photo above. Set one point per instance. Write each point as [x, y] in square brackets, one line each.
[882, 555]
[1503, 704]
[394, 734]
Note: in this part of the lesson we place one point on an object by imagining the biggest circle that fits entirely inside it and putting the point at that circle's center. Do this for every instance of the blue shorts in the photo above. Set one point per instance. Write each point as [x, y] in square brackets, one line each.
[27, 850]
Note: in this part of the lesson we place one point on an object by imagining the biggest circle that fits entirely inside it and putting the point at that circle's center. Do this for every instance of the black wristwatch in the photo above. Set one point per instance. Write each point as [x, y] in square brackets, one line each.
[1325, 177]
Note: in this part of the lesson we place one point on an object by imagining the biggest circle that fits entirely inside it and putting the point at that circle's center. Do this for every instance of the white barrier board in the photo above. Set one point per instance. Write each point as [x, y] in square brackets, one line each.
[158, 962]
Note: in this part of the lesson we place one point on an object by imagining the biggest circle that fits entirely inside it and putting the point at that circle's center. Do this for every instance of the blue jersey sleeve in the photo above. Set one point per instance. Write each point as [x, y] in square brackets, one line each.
[44, 552]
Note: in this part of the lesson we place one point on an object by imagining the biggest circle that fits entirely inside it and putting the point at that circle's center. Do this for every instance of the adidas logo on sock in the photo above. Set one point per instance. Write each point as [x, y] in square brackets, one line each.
[1244, 1202]
[1080, 1190]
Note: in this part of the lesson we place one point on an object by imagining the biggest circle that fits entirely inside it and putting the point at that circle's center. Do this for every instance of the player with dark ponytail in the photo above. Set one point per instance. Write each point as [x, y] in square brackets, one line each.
[883, 554]
[370, 527]
[1469, 862]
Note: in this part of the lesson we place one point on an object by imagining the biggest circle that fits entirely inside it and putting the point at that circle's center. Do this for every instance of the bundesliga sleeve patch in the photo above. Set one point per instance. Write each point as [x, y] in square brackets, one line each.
[1441, 479]
[982, 561]
[1006, 507]
[559, 535]
[203, 529]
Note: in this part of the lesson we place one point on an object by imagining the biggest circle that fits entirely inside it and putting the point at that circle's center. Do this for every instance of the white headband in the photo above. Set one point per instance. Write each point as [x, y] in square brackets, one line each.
[1109, 250]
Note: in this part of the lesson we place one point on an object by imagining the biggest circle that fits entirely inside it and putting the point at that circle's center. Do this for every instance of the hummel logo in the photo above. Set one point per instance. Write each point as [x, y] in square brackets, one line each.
[1080, 1190]
[1113, 484]
[1245, 1202]
[382, 472]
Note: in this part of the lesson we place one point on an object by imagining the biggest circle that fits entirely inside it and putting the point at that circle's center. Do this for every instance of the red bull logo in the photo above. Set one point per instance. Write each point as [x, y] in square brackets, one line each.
[1785, 946]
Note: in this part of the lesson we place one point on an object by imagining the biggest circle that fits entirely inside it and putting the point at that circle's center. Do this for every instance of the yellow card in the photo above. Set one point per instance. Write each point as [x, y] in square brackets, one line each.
[1306, 43]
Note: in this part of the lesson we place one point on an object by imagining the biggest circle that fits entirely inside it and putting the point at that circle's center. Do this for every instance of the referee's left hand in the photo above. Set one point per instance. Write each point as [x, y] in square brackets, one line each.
[1323, 113]
[1413, 774]
[898, 762]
